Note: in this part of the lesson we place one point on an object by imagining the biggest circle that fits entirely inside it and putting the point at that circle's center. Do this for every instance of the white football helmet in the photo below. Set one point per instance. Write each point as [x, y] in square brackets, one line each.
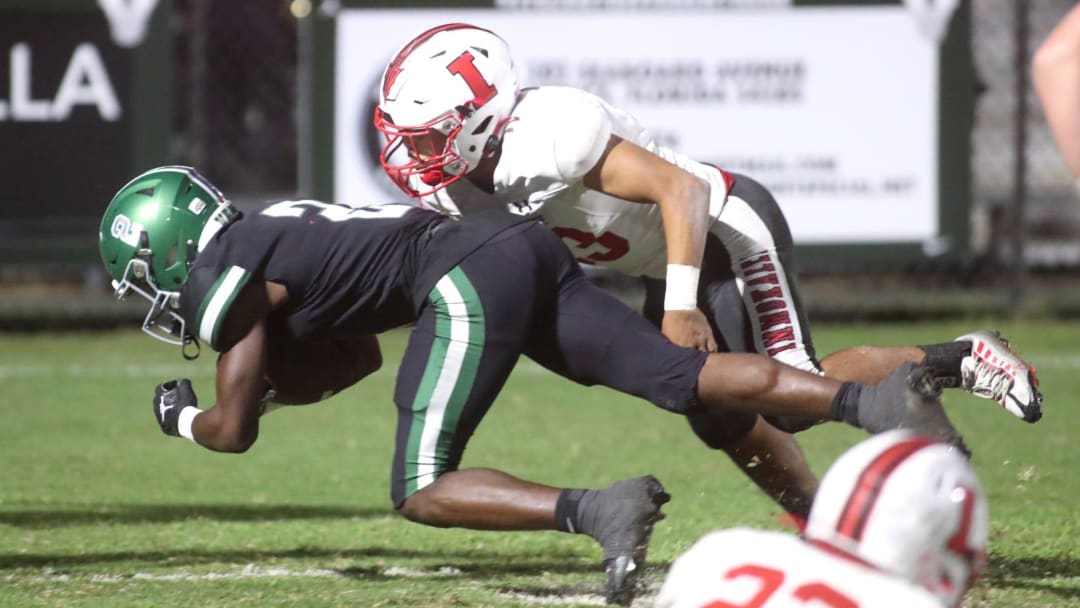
[443, 102]
[908, 505]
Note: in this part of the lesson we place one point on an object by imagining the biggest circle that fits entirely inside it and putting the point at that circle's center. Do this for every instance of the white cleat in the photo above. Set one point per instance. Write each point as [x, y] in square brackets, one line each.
[993, 371]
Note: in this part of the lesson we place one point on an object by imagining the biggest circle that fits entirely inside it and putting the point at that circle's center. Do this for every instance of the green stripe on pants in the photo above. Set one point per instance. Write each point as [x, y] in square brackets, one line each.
[448, 378]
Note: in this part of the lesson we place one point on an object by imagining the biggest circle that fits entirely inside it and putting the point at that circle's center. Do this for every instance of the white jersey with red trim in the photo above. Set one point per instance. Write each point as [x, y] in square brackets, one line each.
[554, 137]
[748, 568]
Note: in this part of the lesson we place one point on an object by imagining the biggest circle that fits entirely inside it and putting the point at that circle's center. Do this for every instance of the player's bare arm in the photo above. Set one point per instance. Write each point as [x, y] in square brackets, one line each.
[632, 173]
[232, 423]
[1055, 72]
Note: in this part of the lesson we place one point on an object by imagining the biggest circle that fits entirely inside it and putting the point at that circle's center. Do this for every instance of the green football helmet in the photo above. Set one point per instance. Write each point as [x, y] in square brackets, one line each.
[150, 234]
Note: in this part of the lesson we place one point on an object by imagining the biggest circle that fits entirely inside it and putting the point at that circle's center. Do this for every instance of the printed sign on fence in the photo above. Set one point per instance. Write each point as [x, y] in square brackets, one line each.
[834, 109]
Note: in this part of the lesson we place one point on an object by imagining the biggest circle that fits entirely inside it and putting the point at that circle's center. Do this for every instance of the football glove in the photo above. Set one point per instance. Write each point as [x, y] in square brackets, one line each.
[169, 399]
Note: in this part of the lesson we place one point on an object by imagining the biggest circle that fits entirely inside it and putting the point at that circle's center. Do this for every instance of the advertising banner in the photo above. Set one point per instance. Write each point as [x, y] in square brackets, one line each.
[81, 108]
[65, 109]
[835, 109]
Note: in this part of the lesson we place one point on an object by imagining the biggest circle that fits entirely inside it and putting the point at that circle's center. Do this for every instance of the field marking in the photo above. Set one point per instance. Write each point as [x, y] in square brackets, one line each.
[247, 572]
[589, 599]
[80, 370]
[253, 571]
[420, 573]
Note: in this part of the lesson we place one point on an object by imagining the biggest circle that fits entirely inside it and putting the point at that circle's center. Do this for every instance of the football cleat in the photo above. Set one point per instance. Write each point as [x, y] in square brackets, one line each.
[627, 509]
[993, 371]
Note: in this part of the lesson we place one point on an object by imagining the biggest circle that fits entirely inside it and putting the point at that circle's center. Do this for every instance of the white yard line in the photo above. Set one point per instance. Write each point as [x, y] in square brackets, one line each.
[252, 571]
[588, 599]
[80, 370]
[248, 571]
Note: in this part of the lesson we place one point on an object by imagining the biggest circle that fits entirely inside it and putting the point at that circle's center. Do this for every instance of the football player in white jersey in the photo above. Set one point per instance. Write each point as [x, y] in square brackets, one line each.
[713, 246]
[899, 521]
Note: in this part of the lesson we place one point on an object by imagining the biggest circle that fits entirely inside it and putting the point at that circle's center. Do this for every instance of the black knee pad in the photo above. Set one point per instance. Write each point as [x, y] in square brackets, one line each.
[792, 424]
[720, 429]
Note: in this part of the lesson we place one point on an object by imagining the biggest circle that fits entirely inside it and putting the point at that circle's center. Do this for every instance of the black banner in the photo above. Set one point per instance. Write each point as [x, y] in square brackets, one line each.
[64, 115]
[84, 103]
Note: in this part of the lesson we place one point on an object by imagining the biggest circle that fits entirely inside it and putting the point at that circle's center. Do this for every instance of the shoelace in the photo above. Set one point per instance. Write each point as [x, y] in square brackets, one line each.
[996, 382]
[1033, 375]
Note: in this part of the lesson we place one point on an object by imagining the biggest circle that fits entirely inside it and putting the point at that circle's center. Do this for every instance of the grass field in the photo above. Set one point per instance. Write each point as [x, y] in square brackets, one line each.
[98, 508]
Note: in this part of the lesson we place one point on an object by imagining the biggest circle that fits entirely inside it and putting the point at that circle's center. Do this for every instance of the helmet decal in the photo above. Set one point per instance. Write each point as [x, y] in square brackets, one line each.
[127, 231]
[394, 68]
[465, 66]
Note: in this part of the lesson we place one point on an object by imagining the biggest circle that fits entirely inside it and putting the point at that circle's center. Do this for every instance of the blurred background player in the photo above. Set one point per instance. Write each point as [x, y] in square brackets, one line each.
[713, 247]
[1055, 71]
[899, 520]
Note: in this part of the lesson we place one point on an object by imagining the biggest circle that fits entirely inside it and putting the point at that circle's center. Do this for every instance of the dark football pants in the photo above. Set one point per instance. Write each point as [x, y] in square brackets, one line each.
[521, 293]
[748, 293]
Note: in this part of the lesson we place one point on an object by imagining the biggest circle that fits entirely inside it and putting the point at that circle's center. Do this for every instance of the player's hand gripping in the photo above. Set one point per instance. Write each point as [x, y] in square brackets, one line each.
[689, 328]
[170, 398]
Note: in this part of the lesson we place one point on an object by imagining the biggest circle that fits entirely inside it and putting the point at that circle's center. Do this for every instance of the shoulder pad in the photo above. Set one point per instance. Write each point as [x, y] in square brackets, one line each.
[581, 138]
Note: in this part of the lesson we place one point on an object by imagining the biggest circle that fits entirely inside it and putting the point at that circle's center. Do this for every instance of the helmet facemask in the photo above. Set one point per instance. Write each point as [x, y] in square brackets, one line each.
[953, 568]
[162, 322]
[427, 152]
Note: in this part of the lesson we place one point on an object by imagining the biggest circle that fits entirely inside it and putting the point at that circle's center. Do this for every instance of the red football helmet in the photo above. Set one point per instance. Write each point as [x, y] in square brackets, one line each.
[443, 102]
[907, 505]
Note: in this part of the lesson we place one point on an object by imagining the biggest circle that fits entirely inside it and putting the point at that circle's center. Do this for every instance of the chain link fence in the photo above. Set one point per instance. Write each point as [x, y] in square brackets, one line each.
[1050, 229]
[236, 66]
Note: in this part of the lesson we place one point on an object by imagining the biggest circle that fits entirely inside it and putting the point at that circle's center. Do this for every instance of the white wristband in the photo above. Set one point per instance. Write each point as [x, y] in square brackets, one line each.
[682, 284]
[185, 420]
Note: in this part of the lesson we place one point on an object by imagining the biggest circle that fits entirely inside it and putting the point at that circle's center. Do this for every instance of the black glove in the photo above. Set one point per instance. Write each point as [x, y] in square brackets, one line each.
[169, 398]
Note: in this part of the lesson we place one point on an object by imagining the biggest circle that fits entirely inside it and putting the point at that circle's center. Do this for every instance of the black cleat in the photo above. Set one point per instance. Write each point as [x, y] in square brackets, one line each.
[625, 512]
[909, 398]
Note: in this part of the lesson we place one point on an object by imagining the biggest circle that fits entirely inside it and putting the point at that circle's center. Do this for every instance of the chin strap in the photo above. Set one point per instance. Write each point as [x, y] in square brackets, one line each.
[494, 142]
[189, 339]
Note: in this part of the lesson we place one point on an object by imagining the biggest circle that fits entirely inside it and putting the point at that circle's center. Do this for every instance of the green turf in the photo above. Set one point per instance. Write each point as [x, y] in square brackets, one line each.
[97, 508]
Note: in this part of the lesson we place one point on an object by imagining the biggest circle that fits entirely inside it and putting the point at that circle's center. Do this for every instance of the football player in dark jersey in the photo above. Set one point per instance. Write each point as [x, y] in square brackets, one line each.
[482, 291]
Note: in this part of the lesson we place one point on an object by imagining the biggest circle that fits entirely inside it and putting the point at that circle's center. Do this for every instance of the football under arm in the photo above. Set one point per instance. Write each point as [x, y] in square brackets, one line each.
[302, 372]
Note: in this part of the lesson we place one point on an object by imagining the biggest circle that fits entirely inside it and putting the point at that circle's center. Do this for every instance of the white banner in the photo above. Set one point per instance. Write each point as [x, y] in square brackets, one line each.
[834, 109]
